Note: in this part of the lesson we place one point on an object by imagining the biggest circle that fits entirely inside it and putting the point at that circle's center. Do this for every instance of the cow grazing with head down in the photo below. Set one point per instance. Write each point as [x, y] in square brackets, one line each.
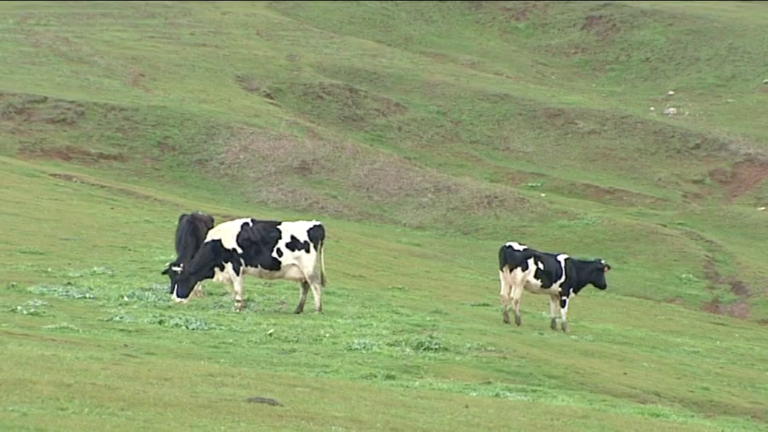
[557, 275]
[190, 235]
[266, 249]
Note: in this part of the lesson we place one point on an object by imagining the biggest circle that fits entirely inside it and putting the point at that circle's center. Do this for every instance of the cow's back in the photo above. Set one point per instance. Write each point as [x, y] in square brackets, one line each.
[513, 255]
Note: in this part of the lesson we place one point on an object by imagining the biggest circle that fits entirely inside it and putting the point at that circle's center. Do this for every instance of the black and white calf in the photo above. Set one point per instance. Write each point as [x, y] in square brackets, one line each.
[290, 250]
[190, 235]
[558, 275]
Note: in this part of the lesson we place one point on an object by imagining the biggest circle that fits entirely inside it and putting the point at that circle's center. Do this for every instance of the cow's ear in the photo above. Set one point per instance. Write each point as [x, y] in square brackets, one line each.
[606, 268]
[164, 272]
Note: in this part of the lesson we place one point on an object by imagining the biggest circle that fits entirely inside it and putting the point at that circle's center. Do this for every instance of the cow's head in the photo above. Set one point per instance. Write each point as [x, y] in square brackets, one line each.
[173, 270]
[597, 270]
[182, 284]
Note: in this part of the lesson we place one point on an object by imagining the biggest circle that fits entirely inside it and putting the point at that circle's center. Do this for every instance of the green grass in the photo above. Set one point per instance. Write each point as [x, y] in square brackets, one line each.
[424, 135]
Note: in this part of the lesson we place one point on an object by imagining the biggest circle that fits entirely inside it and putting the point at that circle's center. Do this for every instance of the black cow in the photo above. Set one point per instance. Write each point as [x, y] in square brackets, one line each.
[190, 235]
[558, 275]
[266, 249]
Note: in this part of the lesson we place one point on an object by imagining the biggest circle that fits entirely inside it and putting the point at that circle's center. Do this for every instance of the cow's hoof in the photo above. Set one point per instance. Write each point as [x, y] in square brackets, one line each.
[553, 324]
[518, 320]
[505, 317]
[298, 311]
[565, 327]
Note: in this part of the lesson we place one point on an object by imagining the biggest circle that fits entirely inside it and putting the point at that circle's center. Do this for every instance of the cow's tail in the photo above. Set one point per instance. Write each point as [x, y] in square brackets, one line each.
[321, 253]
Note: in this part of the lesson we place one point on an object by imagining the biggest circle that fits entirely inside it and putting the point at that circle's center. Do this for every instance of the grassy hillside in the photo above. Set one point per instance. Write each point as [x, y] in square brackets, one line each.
[424, 135]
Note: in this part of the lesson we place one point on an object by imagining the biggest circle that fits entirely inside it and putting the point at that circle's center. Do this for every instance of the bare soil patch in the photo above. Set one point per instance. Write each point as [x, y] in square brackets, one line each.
[22, 109]
[522, 11]
[601, 26]
[251, 85]
[357, 182]
[738, 309]
[605, 195]
[342, 103]
[741, 178]
[613, 196]
[70, 153]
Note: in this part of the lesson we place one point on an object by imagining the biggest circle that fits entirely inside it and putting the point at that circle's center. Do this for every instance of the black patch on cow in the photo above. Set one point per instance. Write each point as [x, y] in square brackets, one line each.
[509, 256]
[552, 269]
[586, 272]
[563, 301]
[257, 242]
[279, 252]
[191, 230]
[316, 235]
[295, 245]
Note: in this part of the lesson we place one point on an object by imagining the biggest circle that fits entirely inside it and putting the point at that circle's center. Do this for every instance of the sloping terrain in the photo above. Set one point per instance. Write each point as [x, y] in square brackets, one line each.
[424, 135]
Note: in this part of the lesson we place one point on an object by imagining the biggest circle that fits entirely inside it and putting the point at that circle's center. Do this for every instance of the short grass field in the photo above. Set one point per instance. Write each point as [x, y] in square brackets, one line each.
[424, 135]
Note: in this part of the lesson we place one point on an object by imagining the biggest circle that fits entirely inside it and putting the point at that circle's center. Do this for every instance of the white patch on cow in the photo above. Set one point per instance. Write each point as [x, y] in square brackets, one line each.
[227, 232]
[520, 280]
[516, 246]
[176, 297]
[224, 276]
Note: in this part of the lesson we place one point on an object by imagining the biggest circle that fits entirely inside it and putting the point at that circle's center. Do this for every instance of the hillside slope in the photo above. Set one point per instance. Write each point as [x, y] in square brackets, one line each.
[459, 123]
[425, 135]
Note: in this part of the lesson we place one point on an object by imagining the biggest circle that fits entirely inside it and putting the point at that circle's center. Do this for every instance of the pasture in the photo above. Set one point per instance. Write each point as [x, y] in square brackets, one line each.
[424, 136]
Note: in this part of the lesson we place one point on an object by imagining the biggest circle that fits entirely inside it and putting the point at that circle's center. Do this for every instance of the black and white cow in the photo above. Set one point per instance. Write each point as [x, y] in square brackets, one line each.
[558, 275]
[190, 235]
[291, 250]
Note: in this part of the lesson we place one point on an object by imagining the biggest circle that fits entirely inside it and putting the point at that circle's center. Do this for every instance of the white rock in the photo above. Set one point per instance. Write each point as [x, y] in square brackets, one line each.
[653, 109]
[671, 93]
[760, 208]
[670, 111]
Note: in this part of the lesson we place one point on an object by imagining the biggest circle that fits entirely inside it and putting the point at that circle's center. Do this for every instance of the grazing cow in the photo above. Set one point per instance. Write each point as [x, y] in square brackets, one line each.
[558, 275]
[190, 235]
[266, 249]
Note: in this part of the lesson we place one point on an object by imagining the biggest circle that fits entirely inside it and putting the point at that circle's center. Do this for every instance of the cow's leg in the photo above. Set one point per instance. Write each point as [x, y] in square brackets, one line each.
[517, 293]
[553, 300]
[237, 285]
[198, 290]
[303, 290]
[564, 300]
[317, 291]
[504, 296]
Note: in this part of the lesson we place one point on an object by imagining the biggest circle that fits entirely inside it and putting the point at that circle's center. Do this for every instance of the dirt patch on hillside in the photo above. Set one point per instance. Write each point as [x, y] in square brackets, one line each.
[340, 103]
[612, 196]
[252, 85]
[21, 108]
[604, 195]
[119, 190]
[739, 308]
[521, 11]
[70, 153]
[741, 178]
[354, 181]
[602, 26]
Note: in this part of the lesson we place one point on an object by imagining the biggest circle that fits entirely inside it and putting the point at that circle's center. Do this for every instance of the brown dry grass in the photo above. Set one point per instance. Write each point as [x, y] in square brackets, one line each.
[350, 180]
